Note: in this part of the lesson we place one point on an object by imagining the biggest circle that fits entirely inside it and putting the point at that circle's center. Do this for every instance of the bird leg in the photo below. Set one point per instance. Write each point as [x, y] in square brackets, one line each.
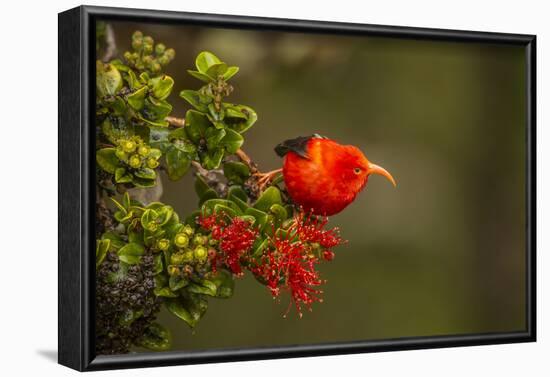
[265, 178]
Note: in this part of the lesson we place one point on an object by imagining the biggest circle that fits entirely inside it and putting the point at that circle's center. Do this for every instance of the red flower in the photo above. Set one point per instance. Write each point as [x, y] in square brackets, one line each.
[287, 264]
[311, 229]
[235, 239]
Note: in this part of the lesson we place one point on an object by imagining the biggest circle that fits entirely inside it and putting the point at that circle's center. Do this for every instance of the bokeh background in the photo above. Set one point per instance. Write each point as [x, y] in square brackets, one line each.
[444, 252]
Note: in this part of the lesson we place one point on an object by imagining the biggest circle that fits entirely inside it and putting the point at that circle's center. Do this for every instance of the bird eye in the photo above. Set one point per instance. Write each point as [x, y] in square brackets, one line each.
[357, 170]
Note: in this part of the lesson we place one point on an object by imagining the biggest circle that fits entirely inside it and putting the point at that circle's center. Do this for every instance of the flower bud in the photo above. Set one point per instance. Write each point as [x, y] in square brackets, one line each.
[148, 59]
[128, 56]
[328, 255]
[181, 240]
[188, 230]
[173, 270]
[163, 60]
[188, 256]
[137, 44]
[163, 244]
[177, 258]
[170, 53]
[128, 146]
[212, 242]
[201, 253]
[199, 240]
[148, 40]
[152, 163]
[138, 35]
[144, 150]
[156, 67]
[160, 48]
[134, 161]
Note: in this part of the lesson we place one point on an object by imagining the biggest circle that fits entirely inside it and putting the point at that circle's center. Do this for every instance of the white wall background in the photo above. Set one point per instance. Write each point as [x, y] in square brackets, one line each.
[28, 166]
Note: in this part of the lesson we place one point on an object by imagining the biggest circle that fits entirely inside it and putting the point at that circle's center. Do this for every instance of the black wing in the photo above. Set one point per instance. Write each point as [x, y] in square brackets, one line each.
[297, 145]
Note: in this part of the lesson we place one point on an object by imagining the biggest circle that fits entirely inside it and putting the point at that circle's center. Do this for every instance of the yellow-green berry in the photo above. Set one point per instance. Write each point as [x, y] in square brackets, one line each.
[189, 230]
[177, 258]
[152, 163]
[128, 146]
[201, 253]
[181, 240]
[134, 161]
[163, 244]
[137, 44]
[173, 270]
[188, 256]
[144, 150]
[199, 240]
[160, 48]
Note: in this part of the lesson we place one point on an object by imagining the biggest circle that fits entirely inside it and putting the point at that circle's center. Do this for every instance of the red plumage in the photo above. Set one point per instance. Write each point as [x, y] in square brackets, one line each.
[323, 176]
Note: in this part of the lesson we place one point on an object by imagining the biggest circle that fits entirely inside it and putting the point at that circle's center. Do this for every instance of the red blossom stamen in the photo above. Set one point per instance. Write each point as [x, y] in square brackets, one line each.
[235, 239]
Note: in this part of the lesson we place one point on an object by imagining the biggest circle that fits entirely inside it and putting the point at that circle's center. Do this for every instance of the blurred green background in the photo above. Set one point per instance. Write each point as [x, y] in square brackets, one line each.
[442, 254]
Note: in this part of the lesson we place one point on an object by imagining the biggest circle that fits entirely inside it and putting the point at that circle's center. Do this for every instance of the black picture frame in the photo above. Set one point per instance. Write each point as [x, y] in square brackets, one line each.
[77, 189]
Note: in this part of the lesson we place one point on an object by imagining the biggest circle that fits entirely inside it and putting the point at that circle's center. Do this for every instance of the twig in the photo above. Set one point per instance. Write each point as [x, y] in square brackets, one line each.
[110, 49]
[176, 122]
[247, 160]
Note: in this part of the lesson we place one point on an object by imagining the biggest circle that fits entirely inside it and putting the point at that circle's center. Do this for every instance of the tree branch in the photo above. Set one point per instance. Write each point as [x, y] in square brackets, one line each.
[176, 122]
[110, 48]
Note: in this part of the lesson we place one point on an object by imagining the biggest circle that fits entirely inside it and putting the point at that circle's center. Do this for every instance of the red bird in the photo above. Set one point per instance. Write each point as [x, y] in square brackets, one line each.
[323, 176]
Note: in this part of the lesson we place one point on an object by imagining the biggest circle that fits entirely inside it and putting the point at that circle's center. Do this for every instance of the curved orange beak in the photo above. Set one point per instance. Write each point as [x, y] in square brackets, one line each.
[375, 169]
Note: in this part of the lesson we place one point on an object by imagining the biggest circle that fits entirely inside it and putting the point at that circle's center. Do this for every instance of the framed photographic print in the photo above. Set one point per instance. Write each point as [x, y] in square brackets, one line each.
[238, 188]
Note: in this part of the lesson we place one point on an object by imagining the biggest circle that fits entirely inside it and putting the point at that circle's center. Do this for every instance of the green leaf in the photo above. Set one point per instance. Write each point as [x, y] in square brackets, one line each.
[205, 287]
[205, 60]
[278, 211]
[212, 159]
[121, 176]
[238, 192]
[143, 183]
[231, 71]
[196, 125]
[232, 141]
[156, 338]
[240, 124]
[149, 219]
[145, 173]
[224, 283]
[162, 86]
[208, 194]
[216, 70]
[219, 208]
[129, 316]
[155, 110]
[216, 115]
[178, 163]
[270, 196]
[209, 206]
[260, 216]
[115, 241]
[175, 283]
[193, 98]
[214, 136]
[259, 245]
[102, 246]
[189, 308]
[198, 75]
[137, 99]
[158, 265]
[131, 253]
[236, 172]
[107, 159]
[108, 79]
[191, 220]
[200, 186]
[164, 292]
